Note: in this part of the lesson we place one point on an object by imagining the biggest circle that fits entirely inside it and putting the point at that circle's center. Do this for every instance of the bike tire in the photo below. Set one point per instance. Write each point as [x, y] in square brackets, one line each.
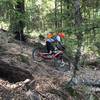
[35, 54]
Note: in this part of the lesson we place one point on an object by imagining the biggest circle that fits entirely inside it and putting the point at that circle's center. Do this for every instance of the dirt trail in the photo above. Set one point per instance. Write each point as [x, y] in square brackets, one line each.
[22, 57]
[45, 76]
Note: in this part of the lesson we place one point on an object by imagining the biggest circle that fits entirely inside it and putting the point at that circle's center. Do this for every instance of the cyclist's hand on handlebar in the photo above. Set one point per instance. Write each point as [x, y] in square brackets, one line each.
[63, 47]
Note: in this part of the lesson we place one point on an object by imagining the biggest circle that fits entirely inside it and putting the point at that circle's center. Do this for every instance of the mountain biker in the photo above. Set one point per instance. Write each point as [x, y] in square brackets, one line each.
[53, 38]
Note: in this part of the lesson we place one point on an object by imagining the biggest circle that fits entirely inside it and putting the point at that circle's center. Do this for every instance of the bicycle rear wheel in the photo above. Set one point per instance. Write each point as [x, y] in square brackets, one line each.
[36, 54]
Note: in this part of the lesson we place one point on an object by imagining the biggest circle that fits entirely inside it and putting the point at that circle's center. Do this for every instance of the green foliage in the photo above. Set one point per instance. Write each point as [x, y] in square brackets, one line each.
[41, 16]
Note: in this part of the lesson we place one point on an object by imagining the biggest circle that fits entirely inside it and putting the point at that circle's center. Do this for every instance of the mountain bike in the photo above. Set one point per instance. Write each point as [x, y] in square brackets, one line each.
[56, 57]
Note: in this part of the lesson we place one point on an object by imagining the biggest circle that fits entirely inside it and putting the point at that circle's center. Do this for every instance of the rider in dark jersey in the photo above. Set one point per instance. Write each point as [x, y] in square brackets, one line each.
[52, 39]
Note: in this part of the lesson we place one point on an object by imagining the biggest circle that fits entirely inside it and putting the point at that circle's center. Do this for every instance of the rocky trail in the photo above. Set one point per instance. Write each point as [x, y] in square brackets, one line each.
[42, 77]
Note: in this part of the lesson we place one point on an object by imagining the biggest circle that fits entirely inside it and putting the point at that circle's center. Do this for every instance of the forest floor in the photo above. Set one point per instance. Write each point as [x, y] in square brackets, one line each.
[45, 76]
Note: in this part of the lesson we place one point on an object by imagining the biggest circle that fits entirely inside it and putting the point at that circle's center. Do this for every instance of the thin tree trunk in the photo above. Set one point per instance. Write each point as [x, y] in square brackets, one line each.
[55, 14]
[78, 22]
[61, 14]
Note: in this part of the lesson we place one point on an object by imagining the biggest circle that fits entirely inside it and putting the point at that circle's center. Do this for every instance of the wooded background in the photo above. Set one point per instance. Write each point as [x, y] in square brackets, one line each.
[78, 19]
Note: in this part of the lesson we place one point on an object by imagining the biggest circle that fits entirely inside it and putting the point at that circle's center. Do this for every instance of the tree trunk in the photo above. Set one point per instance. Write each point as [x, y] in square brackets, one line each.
[61, 7]
[79, 35]
[18, 24]
[55, 14]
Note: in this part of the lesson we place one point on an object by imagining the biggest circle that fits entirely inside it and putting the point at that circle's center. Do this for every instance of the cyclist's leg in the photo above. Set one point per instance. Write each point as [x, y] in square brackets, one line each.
[49, 47]
[62, 60]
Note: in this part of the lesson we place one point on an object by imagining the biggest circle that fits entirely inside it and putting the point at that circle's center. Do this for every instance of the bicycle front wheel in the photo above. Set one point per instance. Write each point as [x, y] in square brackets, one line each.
[36, 54]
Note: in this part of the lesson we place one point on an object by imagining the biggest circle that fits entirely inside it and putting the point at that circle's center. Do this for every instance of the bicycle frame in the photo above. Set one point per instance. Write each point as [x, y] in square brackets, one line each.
[45, 55]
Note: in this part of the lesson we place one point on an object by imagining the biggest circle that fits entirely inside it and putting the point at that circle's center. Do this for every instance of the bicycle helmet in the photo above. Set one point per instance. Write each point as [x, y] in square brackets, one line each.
[62, 35]
[50, 35]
